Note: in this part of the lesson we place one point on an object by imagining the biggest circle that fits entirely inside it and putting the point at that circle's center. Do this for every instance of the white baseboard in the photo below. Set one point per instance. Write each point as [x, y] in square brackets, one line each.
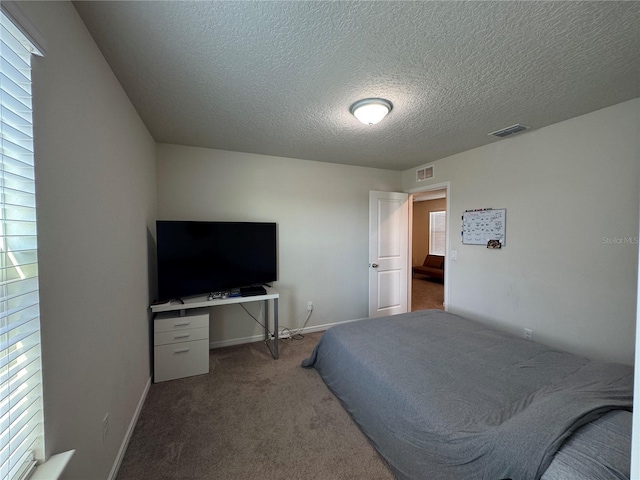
[259, 338]
[127, 437]
[235, 341]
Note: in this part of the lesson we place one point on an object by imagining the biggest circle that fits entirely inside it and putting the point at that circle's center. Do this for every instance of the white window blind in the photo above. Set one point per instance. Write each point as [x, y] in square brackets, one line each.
[437, 232]
[21, 425]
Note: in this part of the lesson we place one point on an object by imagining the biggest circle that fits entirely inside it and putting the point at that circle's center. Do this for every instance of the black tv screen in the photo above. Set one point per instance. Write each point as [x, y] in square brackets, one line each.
[201, 257]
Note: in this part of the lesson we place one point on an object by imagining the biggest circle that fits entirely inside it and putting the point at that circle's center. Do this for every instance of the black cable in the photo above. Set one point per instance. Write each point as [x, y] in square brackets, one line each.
[254, 318]
[293, 335]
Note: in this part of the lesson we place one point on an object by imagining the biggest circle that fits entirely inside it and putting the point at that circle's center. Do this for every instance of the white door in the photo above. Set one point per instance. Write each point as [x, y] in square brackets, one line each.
[388, 253]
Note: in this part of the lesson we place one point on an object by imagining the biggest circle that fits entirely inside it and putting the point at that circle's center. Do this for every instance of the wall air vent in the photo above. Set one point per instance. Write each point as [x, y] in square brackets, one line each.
[424, 173]
[505, 132]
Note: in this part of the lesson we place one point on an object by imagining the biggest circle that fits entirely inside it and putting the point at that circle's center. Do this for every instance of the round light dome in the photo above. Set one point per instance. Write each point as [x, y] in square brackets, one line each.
[371, 110]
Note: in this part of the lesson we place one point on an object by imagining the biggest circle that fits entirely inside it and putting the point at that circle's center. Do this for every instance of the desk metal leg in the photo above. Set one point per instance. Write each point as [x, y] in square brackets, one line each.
[275, 328]
[272, 345]
[266, 321]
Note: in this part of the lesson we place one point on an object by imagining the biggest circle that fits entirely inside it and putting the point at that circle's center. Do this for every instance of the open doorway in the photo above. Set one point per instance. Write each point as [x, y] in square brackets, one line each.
[428, 247]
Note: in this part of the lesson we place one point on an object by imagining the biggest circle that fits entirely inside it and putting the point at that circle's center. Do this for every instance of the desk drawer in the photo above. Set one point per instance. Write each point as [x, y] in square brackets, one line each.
[179, 360]
[168, 322]
[178, 336]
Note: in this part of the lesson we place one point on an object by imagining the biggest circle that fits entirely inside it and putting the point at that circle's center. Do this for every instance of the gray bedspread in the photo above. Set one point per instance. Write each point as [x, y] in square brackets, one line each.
[444, 397]
[600, 450]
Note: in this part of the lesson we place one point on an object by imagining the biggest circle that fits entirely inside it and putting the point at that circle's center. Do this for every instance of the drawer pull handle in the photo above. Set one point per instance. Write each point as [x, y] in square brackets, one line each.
[182, 350]
[181, 324]
[186, 335]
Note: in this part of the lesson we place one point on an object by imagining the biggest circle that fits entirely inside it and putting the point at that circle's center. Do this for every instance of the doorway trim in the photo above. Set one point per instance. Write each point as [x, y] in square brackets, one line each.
[446, 186]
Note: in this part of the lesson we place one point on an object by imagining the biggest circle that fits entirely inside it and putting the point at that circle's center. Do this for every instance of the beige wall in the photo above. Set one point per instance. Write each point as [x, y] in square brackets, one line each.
[322, 214]
[569, 267]
[420, 227]
[95, 180]
[571, 192]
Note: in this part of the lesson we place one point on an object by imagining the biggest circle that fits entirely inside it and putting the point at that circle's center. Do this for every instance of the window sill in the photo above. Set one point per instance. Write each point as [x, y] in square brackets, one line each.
[53, 467]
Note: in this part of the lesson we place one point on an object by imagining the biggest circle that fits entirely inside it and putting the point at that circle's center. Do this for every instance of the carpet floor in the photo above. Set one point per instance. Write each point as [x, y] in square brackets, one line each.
[251, 417]
[427, 293]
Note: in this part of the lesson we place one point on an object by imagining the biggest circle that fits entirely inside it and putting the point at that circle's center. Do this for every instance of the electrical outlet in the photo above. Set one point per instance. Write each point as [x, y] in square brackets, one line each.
[528, 334]
[105, 427]
[309, 306]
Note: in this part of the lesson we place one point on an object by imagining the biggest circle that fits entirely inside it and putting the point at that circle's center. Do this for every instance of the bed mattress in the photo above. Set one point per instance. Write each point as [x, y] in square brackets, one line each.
[444, 397]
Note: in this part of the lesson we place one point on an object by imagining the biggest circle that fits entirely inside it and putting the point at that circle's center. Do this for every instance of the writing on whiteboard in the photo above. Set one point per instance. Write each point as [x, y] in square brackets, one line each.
[480, 226]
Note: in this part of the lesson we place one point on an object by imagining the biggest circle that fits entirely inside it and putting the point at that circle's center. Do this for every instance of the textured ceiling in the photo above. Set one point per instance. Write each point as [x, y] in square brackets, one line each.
[278, 78]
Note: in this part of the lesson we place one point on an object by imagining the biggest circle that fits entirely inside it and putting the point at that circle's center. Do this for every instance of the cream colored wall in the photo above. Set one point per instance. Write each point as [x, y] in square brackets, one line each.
[420, 227]
[577, 182]
[95, 180]
[569, 267]
[322, 214]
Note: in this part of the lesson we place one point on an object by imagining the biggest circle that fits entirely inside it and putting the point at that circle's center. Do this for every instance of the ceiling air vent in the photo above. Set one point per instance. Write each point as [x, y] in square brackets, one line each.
[424, 173]
[505, 132]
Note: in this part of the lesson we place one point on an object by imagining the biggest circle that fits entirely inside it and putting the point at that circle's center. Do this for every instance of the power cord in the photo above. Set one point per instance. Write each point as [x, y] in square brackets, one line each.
[254, 318]
[295, 334]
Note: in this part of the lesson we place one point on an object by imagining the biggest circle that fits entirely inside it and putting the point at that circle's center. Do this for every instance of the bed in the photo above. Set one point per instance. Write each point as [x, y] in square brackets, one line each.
[443, 397]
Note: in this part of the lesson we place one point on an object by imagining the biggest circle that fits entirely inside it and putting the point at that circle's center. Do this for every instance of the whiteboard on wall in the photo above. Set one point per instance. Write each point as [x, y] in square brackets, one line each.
[480, 226]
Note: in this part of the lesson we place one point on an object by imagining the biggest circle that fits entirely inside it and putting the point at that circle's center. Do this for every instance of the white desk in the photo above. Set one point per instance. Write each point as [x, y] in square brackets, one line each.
[203, 302]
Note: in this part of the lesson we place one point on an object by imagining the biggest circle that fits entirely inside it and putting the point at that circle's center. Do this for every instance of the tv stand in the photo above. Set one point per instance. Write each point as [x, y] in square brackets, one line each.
[204, 302]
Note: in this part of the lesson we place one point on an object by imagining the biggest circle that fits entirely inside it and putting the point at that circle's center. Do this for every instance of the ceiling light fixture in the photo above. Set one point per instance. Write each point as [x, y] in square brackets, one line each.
[371, 110]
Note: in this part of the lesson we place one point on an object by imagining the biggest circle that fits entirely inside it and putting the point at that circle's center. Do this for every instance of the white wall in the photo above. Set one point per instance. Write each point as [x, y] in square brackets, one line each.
[95, 180]
[322, 214]
[569, 267]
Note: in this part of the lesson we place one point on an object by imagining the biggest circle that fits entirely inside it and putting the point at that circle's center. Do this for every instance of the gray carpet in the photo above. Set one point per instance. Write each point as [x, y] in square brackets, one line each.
[427, 293]
[250, 417]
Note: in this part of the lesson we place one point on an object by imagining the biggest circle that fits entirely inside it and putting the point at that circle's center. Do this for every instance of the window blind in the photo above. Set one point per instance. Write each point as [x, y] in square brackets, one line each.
[437, 232]
[21, 425]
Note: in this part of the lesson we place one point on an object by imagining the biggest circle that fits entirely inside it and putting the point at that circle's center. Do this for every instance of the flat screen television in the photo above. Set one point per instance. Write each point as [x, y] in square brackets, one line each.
[197, 258]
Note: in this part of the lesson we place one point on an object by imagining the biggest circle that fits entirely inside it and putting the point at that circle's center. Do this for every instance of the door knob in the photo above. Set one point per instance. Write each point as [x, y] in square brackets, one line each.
[374, 265]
